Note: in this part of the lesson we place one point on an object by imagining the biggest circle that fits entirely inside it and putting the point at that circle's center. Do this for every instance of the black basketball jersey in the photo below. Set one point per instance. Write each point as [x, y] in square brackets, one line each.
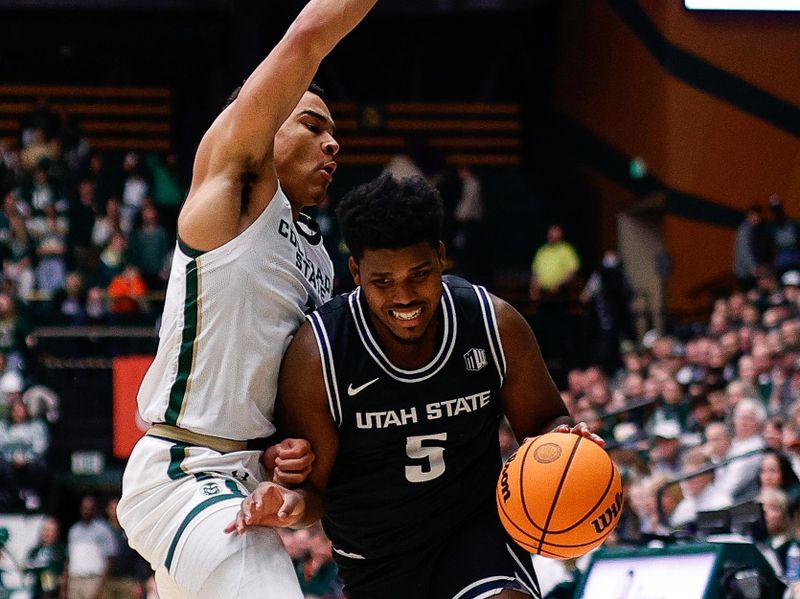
[418, 449]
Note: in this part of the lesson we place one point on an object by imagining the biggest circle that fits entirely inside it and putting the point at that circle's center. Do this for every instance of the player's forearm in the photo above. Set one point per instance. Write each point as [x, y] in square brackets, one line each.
[272, 91]
[323, 23]
[314, 33]
[314, 506]
[555, 422]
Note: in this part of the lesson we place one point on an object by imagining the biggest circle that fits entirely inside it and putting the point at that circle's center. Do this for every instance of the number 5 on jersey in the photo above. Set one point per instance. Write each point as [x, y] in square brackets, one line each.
[434, 454]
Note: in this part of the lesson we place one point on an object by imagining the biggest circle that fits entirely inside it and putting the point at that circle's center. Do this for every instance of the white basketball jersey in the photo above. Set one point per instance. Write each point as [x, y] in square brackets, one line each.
[229, 315]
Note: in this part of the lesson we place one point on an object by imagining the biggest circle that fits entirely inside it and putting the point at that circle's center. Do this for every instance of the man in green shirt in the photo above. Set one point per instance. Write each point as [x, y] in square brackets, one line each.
[553, 269]
[554, 264]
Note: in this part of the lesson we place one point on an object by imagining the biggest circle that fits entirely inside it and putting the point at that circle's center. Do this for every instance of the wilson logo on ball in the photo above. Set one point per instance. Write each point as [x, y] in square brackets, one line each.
[504, 489]
[549, 452]
[606, 518]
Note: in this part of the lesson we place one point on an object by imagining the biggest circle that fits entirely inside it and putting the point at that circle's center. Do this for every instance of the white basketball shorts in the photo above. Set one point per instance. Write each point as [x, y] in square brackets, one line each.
[176, 502]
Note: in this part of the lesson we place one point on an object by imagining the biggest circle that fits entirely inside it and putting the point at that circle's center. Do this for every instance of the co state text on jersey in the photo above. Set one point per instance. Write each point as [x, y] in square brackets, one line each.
[312, 273]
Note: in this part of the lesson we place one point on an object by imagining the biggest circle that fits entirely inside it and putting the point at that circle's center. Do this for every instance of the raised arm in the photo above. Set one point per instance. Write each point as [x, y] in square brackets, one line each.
[303, 413]
[236, 151]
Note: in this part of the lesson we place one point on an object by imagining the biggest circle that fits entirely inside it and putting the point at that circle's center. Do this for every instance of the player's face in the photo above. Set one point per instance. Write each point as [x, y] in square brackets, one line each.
[304, 151]
[402, 287]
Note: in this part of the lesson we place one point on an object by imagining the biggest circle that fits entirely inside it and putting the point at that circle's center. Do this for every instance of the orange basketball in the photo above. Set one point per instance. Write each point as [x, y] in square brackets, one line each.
[559, 495]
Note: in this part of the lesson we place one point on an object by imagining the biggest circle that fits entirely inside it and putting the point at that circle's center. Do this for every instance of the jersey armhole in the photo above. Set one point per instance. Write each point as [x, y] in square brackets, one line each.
[188, 250]
[328, 367]
[492, 331]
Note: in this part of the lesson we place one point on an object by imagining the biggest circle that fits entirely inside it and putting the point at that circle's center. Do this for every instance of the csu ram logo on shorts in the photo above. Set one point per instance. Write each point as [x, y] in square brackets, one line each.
[210, 489]
[475, 359]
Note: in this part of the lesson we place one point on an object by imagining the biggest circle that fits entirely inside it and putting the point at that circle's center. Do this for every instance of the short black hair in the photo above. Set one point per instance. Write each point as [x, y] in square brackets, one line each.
[387, 213]
[312, 87]
[317, 90]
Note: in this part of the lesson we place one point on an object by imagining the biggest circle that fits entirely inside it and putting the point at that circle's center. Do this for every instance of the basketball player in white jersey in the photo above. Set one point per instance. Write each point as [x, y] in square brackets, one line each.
[246, 268]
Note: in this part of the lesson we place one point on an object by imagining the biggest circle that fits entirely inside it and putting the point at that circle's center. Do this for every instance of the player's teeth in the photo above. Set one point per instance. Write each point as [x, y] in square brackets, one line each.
[406, 315]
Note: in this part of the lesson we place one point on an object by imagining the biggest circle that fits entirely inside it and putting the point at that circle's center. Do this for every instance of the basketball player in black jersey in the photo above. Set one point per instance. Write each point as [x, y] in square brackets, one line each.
[400, 387]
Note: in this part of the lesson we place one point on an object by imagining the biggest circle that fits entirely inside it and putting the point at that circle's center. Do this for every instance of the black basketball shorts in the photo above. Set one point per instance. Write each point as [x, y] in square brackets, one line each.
[477, 561]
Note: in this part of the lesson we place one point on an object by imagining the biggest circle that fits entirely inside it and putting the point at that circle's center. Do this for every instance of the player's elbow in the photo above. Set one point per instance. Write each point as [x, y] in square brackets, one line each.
[310, 37]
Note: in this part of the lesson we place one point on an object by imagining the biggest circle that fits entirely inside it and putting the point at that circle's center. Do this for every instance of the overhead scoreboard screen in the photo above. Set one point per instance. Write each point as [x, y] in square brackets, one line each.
[772, 5]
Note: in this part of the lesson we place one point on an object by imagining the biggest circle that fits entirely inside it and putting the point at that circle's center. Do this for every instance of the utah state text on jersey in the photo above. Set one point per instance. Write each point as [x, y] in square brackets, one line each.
[433, 411]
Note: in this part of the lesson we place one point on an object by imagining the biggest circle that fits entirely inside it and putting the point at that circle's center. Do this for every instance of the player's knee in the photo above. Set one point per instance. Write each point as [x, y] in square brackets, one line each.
[259, 569]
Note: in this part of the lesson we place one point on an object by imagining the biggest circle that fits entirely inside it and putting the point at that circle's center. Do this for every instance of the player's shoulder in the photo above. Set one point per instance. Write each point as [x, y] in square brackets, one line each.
[466, 294]
[336, 307]
[455, 282]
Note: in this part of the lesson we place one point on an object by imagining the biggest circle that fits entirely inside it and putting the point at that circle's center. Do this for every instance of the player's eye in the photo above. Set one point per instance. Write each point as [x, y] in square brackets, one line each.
[421, 274]
[312, 128]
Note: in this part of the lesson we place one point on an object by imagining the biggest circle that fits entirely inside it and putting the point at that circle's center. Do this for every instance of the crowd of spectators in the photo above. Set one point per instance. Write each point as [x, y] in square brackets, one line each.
[85, 236]
[724, 401]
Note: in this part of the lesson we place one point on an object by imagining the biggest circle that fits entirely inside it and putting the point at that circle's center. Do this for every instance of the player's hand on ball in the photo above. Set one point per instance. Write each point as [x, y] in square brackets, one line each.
[581, 429]
[288, 462]
[268, 505]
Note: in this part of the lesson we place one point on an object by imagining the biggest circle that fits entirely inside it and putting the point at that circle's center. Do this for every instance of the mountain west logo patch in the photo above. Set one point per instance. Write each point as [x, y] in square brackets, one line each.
[475, 359]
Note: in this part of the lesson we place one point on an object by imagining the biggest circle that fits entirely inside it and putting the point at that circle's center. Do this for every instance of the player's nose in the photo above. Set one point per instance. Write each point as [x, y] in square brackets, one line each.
[330, 146]
[403, 295]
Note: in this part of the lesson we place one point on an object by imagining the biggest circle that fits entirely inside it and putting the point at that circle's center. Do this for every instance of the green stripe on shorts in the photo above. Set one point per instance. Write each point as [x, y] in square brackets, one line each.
[191, 516]
[177, 453]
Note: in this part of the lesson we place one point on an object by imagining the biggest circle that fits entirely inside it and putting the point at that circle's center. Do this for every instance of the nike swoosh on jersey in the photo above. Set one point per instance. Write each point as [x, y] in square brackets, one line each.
[351, 391]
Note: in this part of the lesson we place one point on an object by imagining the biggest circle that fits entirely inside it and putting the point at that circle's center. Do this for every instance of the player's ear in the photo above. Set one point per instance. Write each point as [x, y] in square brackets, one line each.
[354, 272]
[442, 253]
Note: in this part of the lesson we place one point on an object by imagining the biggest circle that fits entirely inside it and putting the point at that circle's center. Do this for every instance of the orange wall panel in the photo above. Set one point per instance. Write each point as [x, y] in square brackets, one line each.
[761, 48]
[128, 373]
[608, 84]
[615, 199]
[700, 253]
[693, 141]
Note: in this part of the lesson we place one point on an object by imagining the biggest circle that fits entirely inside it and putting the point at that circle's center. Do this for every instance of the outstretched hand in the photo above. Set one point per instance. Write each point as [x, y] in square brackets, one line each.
[289, 462]
[269, 505]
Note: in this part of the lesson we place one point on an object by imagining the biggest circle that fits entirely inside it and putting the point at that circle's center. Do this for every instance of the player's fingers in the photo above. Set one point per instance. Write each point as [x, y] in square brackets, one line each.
[260, 495]
[247, 510]
[291, 506]
[294, 464]
[268, 458]
[290, 478]
[580, 429]
[267, 503]
[241, 525]
[562, 428]
[597, 439]
[231, 526]
[294, 458]
[294, 448]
